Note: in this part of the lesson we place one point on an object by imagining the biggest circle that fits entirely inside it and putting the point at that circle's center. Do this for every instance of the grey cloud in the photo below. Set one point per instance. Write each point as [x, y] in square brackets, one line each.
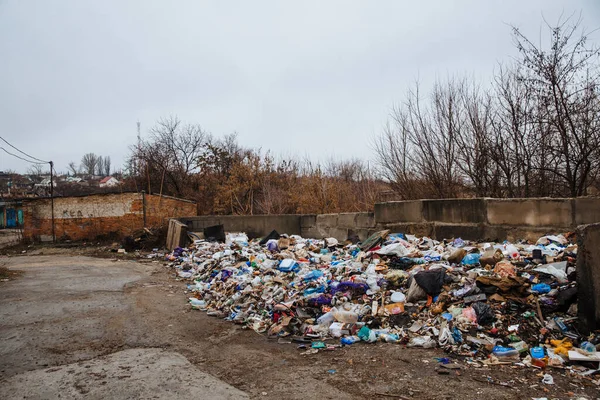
[312, 78]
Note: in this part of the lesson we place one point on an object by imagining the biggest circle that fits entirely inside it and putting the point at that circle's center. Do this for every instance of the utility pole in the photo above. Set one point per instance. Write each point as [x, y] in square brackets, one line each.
[137, 158]
[52, 199]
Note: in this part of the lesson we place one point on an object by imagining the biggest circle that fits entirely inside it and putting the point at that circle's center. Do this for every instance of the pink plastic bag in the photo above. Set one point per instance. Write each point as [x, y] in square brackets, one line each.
[470, 314]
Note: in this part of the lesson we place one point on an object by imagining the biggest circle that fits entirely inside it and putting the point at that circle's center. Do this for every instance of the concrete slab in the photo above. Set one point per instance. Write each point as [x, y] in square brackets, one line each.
[530, 212]
[346, 220]
[365, 220]
[327, 220]
[308, 220]
[588, 276]
[587, 210]
[399, 212]
[455, 211]
[128, 374]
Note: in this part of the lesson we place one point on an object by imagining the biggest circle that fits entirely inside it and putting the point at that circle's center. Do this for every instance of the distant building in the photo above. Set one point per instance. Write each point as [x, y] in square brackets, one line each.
[109, 181]
[45, 183]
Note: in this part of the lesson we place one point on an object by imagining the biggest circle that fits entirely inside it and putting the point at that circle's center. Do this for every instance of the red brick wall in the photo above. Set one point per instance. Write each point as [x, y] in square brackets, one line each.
[88, 217]
[160, 209]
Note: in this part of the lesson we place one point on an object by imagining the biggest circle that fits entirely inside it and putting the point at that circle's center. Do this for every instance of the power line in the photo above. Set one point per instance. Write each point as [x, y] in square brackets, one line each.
[21, 158]
[22, 152]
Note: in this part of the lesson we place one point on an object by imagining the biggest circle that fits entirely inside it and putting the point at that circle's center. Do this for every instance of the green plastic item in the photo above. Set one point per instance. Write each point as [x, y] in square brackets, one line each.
[364, 333]
[514, 338]
[528, 314]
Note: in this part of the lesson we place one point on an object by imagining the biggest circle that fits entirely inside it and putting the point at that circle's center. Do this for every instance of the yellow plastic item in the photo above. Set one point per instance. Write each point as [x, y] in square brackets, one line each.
[562, 347]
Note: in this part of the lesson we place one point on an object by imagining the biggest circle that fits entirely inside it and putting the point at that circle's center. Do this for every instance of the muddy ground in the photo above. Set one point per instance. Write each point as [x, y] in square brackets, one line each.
[69, 323]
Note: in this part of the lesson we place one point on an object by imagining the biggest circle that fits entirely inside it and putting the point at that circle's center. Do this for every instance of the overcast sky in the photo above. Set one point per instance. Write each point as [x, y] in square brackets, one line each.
[300, 78]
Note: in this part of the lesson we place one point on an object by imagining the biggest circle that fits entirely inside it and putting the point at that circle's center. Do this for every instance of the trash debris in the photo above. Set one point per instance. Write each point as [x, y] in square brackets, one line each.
[495, 303]
[547, 379]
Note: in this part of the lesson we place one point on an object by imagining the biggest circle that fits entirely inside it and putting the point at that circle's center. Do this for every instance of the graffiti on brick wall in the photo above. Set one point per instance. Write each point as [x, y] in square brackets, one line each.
[73, 214]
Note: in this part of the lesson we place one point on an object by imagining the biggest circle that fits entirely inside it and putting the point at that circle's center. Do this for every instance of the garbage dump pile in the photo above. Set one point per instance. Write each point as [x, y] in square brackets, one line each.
[481, 302]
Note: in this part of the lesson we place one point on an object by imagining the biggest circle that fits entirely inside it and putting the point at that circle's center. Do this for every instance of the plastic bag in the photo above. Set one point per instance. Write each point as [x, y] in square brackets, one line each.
[367, 335]
[484, 313]
[422, 341]
[471, 259]
[398, 297]
[395, 249]
[415, 292]
[504, 269]
[431, 281]
[541, 288]
[470, 314]
[551, 269]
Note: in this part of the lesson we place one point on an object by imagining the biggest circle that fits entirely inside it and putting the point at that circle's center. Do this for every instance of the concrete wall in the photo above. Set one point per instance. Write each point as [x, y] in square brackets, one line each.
[588, 277]
[481, 218]
[339, 226]
[88, 217]
[253, 225]
[484, 218]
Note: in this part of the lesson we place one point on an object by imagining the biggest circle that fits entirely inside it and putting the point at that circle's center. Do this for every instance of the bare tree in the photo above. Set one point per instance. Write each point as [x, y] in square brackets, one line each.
[36, 170]
[100, 166]
[172, 151]
[535, 133]
[89, 163]
[72, 168]
[418, 152]
[564, 82]
[107, 165]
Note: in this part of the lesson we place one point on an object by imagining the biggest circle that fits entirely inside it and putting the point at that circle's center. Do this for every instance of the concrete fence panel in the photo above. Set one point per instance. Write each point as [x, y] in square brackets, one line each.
[587, 210]
[588, 277]
[459, 211]
[399, 212]
[530, 212]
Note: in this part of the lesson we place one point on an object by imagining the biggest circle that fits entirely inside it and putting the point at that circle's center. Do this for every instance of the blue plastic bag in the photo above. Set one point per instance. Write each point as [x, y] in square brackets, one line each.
[541, 288]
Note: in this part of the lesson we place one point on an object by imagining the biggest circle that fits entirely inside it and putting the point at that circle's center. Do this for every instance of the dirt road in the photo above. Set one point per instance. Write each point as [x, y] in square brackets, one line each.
[86, 327]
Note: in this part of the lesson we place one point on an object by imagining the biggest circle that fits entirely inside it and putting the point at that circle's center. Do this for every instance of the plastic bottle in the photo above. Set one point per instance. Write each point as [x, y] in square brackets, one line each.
[348, 317]
[316, 274]
[501, 351]
[537, 352]
[348, 340]
[512, 251]
[327, 318]
[538, 357]
[588, 348]
[561, 324]
[389, 337]
[196, 303]
[313, 290]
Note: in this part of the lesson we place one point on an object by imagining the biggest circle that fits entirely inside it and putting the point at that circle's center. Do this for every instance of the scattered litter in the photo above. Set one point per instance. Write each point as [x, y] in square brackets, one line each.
[547, 379]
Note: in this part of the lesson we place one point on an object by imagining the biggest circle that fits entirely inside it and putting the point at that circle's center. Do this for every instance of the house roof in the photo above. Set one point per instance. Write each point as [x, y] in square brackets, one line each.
[104, 180]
